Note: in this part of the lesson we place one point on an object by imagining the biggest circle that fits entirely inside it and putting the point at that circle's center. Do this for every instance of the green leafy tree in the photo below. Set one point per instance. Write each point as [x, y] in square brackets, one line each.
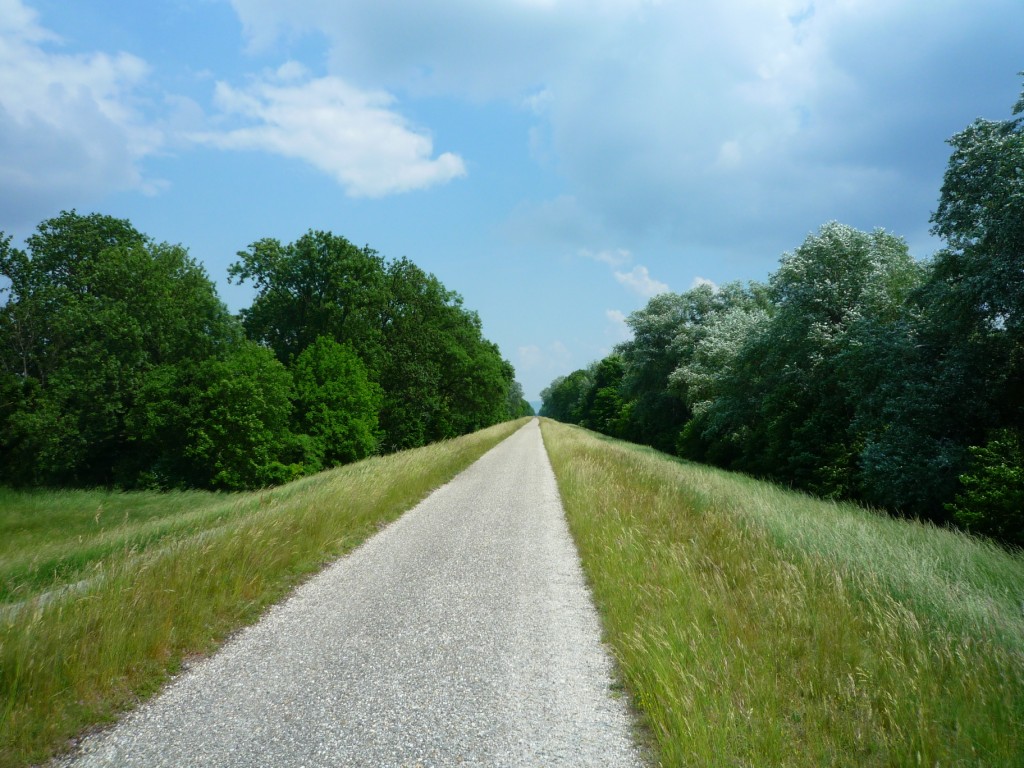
[977, 291]
[565, 398]
[903, 415]
[91, 310]
[603, 407]
[771, 388]
[441, 378]
[415, 319]
[336, 404]
[718, 379]
[824, 291]
[665, 335]
[655, 413]
[991, 496]
[320, 285]
[237, 423]
[956, 362]
[981, 217]
[516, 405]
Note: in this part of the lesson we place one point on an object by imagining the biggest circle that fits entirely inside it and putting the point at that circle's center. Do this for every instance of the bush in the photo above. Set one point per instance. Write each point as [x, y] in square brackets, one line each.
[991, 499]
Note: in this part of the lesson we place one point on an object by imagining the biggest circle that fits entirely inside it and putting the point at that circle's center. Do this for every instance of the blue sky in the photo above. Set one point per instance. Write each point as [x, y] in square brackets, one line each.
[557, 162]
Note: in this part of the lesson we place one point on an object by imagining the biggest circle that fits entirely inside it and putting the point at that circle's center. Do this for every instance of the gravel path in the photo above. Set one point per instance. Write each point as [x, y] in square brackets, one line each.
[462, 634]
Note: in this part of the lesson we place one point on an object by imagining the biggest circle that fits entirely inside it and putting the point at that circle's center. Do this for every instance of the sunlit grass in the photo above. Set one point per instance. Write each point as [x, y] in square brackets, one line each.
[49, 539]
[755, 626]
[106, 594]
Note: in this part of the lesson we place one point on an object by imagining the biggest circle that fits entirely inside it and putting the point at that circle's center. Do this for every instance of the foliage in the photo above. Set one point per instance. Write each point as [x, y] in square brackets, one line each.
[823, 292]
[602, 409]
[239, 420]
[439, 377]
[757, 626]
[335, 402]
[857, 372]
[565, 399]
[516, 404]
[320, 285]
[93, 312]
[956, 364]
[120, 366]
[656, 413]
[981, 217]
[991, 499]
[720, 400]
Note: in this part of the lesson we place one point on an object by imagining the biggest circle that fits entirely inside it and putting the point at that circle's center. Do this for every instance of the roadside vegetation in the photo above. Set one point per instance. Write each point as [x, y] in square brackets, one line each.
[857, 371]
[759, 626]
[121, 367]
[103, 594]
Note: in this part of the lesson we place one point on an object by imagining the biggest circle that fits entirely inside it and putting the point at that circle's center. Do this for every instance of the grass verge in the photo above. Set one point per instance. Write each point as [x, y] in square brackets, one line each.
[105, 594]
[756, 626]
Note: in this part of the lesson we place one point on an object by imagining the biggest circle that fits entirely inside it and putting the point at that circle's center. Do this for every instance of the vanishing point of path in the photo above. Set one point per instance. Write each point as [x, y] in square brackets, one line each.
[462, 634]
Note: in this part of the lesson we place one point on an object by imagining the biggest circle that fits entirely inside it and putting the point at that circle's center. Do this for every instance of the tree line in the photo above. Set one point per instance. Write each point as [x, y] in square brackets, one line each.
[120, 366]
[855, 371]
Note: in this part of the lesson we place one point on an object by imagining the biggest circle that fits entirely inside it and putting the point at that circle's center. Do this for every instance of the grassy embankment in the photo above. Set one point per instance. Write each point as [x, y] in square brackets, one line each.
[102, 595]
[756, 626]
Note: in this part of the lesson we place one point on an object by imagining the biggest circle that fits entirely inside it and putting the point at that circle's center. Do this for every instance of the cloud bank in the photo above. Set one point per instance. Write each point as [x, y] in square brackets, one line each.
[727, 124]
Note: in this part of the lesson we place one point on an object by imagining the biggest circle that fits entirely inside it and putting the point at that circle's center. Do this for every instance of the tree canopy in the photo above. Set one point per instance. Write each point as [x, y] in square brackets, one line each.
[856, 371]
[120, 365]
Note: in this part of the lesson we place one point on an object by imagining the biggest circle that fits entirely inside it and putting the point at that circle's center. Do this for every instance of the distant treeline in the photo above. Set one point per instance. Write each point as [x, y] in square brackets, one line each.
[855, 371]
[120, 366]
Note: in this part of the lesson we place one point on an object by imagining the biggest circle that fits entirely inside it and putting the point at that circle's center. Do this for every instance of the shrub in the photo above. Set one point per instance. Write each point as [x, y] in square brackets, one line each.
[991, 496]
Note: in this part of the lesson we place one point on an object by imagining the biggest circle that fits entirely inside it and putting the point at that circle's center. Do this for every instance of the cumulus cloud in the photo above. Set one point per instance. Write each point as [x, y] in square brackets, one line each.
[734, 123]
[69, 126]
[639, 281]
[354, 135]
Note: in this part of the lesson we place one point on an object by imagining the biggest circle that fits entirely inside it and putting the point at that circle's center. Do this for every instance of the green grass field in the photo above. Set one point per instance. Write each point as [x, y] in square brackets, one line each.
[102, 595]
[755, 626]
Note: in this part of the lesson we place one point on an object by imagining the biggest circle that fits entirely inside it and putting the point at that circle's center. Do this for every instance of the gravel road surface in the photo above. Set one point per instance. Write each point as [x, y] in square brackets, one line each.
[462, 634]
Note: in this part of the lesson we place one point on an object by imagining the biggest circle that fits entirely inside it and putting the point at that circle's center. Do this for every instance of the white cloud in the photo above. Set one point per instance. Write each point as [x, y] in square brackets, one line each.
[613, 257]
[69, 126]
[640, 282]
[539, 102]
[530, 356]
[735, 125]
[351, 134]
[699, 281]
[617, 329]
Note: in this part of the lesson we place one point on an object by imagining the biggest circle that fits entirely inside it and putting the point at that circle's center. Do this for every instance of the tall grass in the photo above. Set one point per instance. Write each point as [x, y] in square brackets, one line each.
[50, 539]
[757, 626]
[97, 615]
